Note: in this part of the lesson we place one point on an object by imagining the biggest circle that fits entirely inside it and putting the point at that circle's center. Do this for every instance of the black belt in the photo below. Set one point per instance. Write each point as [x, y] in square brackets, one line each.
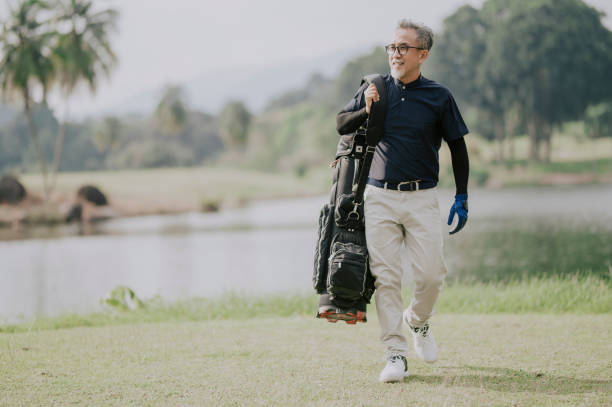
[403, 186]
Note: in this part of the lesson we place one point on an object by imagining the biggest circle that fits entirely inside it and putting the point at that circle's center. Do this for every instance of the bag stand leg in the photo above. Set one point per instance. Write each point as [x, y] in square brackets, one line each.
[333, 313]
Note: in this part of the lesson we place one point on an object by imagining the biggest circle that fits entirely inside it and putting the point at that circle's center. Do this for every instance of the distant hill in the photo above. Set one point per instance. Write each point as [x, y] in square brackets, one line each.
[210, 91]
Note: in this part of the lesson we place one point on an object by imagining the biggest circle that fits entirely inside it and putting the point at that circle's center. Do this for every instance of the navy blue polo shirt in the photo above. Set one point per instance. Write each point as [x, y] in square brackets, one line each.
[419, 115]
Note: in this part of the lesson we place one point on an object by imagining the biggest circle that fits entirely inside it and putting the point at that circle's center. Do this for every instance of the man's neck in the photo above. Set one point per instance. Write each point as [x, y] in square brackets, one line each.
[411, 77]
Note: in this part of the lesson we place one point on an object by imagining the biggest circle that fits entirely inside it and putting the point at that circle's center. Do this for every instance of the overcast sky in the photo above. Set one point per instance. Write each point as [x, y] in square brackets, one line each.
[162, 41]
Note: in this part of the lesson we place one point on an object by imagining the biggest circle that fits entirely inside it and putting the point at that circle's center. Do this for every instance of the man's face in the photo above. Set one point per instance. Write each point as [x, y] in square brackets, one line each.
[404, 67]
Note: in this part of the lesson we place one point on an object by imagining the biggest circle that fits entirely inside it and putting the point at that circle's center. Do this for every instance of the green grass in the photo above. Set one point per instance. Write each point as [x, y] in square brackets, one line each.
[555, 294]
[485, 360]
[602, 166]
[584, 294]
[504, 248]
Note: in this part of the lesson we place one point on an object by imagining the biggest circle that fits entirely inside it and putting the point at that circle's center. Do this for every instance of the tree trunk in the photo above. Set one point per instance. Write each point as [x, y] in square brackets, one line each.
[547, 140]
[511, 122]
[534, 142]
[510, 142]
[59, 147]
[498, 130]
[539, 133]
[36, 141]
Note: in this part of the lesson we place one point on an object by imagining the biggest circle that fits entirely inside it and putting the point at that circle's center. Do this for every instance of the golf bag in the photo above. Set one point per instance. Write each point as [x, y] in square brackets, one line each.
[341, 265]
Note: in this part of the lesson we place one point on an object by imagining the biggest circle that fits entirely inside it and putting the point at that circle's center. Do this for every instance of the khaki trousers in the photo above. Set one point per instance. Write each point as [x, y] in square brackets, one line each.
[408, 221]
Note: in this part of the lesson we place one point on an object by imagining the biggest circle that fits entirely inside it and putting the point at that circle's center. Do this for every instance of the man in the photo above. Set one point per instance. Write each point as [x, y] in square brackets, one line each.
[401, 206]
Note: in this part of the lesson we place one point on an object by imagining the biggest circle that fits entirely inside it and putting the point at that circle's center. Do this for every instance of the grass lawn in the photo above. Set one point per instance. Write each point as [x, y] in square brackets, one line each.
[522, 360]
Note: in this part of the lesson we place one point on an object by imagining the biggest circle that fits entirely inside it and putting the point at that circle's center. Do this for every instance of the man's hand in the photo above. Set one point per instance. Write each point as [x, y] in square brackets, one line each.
[460, 207]
[371, 94]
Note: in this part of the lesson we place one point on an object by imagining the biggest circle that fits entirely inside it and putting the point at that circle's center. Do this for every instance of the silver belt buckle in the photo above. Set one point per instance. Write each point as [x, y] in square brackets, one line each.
[416, 185]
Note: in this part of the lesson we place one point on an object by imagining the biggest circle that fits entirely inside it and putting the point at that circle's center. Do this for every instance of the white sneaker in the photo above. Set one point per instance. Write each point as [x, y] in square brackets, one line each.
[424, 342]
[395, 371]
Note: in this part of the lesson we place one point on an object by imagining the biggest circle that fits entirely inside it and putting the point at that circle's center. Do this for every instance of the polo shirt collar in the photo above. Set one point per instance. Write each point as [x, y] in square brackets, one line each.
[412, 84]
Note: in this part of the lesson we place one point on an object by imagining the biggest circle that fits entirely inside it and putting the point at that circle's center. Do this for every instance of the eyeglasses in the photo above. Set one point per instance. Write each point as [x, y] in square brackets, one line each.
[402, 49]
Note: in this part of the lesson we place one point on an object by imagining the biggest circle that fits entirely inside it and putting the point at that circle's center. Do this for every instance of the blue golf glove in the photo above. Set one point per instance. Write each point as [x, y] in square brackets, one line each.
[460, 207]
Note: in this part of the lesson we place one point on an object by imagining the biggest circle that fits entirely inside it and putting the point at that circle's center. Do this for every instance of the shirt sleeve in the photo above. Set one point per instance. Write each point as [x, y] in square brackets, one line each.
[461, 164]
[453, 126]
[353, 115]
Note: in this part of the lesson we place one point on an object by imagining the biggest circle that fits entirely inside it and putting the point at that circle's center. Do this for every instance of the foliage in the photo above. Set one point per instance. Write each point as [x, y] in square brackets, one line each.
[515, 249]
[81, 53]
[234, 121]
[26, 51]
[171, 111]
[26, 63]
[529, 56]
[317, 88]
[297, 132]
[107, 134]
[122, 298]
[17, 154]
[18, 132]
[108, 143]
[82, 49]
[151, 154]
[508, 64]
[300, 136]
[80, 151]
[53, 42]
[598, 120]
[350, 77]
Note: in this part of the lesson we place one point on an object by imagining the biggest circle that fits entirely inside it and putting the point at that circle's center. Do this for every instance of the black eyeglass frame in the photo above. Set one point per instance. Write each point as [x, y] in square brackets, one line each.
[398, 49]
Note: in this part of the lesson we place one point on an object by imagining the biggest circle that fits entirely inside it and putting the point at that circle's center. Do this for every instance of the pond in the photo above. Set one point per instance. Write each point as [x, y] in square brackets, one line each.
[267, 248]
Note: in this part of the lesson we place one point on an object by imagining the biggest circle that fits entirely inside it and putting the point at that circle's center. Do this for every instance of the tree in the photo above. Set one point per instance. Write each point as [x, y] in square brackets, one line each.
[545, 59]
[82, 53]
[553, 56]
[234, 121]
[107, 134]
[457, 60]
[26, 64]
[350, 77]
[171, 111]
[598, 120]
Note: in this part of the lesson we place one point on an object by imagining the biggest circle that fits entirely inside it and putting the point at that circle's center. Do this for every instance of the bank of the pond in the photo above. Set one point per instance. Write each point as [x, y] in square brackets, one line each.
[178, 190]
[583, 294]
[485, 360]
[161, 191]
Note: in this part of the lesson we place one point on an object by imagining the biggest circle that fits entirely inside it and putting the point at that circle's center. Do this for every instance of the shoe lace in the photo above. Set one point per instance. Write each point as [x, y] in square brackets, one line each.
[399, 359]
[422, 331]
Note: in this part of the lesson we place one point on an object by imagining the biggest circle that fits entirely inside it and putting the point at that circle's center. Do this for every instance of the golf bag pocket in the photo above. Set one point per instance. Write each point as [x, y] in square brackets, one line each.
[322, 248]
[347, 271]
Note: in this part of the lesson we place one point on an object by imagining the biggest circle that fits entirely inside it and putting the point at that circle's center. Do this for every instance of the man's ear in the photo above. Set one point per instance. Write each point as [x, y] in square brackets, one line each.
[424, 55]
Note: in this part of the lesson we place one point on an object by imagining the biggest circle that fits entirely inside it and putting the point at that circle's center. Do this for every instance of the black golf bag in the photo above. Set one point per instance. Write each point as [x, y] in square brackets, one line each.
[341, 265]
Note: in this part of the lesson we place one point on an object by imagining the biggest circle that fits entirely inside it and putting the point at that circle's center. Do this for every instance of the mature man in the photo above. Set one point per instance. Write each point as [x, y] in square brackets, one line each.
[401, 206]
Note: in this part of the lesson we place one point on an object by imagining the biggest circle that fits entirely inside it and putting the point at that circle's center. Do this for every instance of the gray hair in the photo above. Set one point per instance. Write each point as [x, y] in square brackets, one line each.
[424, 34]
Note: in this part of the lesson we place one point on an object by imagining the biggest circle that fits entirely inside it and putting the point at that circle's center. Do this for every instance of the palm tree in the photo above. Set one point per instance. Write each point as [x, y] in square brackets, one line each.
[107, 134]
[81, 54]
[234, 121]
[171, 111]
[26, 63]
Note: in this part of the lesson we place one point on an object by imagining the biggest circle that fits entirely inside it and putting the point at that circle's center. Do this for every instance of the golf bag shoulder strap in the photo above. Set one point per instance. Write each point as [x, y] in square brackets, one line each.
[375, 129]
[378, 110]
